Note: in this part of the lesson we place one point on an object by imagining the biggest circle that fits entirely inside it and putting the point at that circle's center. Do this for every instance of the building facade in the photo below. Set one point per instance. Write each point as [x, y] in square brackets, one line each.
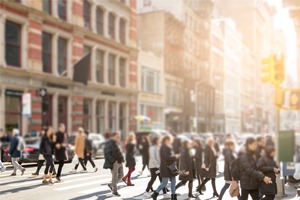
[41, 41]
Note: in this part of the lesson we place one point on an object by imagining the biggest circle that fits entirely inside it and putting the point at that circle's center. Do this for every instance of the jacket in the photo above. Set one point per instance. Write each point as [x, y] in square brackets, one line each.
[145, 152]
[79, 145]
[154, 157]
[250, 176]
[229, 158]
[46, 146]
[198, 159]
[167, 157]
[13, 149]
[130, 151]
[186, 165]
[60, 153]
[266, 165]
[88, 146]
[112, 153]
[210, 161]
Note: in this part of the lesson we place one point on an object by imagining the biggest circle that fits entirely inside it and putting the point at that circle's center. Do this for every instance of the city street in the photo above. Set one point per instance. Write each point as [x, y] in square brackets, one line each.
[87, 186]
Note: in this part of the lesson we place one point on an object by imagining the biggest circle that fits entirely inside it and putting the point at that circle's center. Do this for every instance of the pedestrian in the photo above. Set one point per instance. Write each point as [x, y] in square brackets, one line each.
[88, 151]
[130, 160]
[198, 162]
[46, 148]
[144, 149]
[167, 157]
[209, 168]
[16, 146]
[269, 141]
[60, 149]
[250, 176]
[267, 165]
[154, 165]
[114, 160]
[79, 149]
[229, 157]
[261, 144]
[186, 164]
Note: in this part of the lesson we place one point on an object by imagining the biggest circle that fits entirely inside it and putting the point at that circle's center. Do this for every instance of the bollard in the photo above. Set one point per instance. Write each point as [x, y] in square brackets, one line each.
[280, 186]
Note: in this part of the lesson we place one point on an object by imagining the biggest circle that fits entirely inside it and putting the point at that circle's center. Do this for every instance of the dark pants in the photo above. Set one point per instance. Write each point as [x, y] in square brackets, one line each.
[183, 183]
[269, 197]
[154, 175]
[40, 165]
[144, 167]
[253, 193]
[81, 163]
[60, 166]
[225, 187]
[89, 158]
[49, 164]
[213, 183]
[128, 175]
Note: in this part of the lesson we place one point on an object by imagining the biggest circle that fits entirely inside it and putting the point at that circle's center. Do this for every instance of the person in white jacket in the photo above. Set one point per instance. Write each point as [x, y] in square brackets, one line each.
[154, 164]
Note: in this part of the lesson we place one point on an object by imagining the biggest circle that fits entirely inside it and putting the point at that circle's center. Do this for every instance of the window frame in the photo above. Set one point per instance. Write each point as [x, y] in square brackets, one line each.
[65, 114]
[122, 76]
[112, 69]
[87, 117]
[19, 45]
[100, 65]
[100, 116]
[87, 19]
[65, 10]
[100, 23]
[59, 55]
[49, 6]
[112, 27]
[122, 31]
[49, 53]
[49, 114]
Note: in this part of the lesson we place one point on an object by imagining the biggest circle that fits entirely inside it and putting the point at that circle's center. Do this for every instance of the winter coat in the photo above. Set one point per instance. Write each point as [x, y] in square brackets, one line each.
[228, 158]
[198, 159]
[250, 176]
[259, 152]
[186, 165]
[154, 157]
[210, 161]
[46, 146]
[80, 145]
[145, 152]
[13, 149]
[112, 153]
[130, 151]
[167, 157]
[60, 153]
[266, 165]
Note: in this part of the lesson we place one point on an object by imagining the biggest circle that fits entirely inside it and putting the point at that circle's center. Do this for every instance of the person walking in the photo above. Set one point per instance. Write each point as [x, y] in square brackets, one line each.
[229, 157]
[114, 160]
[198, 162]
[79, 149]
[144, 149]
[16, 146]
[60, 149]
[268, 167]
[250, 176]
[88, 151]
[167, 157]
[46, 148]
[130, 160]
[186, 165]
[261, 144]
[209, 168]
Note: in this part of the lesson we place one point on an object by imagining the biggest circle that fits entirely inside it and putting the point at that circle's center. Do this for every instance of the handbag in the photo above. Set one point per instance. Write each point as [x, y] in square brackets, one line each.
[234, 189]
[173, 169]
[75, 160]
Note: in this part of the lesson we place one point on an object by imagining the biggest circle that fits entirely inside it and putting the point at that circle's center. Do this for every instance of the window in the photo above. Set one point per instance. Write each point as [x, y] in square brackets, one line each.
[122, 31]
[111, 25]
[122, 118]
[99, 66]
[46, 51]
[62, 110]
[47, 110]
[112, 116]
[122, 72]
[13, 44]
[86, 50]
[62, 9]
[87, 14]
[100, 21]
[87, 114]
[100, 117]
[150, 80]
[111, 69]
[47, 6]
[62, 56]
[13, 109]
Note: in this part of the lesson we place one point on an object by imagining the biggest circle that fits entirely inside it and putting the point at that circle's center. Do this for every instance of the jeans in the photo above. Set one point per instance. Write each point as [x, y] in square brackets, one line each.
[154, 175]
[128, 175]
[213, 184]
[89, 158]
[165, 182]
[117, 174]
[81, 163]
[16, 165]
[253, 193]
[49, 164]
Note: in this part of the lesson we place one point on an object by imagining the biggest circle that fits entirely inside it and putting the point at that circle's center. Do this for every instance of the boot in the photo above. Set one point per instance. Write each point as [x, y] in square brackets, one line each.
[173, 196]
[154, 195]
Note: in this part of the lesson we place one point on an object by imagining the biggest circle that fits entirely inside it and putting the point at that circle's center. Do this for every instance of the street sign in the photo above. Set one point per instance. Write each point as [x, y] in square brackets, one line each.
[26, 105]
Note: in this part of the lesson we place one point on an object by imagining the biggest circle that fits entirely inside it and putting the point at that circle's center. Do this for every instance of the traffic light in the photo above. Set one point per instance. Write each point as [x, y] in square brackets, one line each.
[279, 71]
[274, 70]
[279, 97]
[295, 99]
[268, 69]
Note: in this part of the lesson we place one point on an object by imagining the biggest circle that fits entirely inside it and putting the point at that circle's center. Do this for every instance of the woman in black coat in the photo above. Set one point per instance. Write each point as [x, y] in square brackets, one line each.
[250, 176]
[268, 167]
[198, 161]
[186, 168]
[60, 149]
[130, 160]
[209, 170]
[167, 157]
[144, 149]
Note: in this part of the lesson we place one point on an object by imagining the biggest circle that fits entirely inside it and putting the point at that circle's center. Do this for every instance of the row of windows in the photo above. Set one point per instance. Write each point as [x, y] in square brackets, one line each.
[13, 56]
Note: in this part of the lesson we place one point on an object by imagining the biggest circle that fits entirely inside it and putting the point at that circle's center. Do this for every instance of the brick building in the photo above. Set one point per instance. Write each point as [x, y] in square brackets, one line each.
[39, 43]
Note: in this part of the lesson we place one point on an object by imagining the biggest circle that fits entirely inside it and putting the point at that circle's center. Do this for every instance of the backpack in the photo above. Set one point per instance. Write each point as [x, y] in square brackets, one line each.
[235, 169]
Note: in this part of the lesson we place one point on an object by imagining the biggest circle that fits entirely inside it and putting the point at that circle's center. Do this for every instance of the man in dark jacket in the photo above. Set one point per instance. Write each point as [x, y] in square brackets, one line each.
[114, 160]
[15, 151]
[261, 144]
[60, 149]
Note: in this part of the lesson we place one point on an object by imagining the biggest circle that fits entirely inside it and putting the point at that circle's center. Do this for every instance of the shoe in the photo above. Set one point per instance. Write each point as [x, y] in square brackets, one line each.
[116, 194]
[147, 195]
[45, 182]
[130, 184]
[54, 175]
[34, 174]
[124, 180]
[83, 171]
[192, 196]
[173, 196]
[13, 174]
[154, 195]
[50, 182]
[216, 194]
[110, 187]
[23, 170]
[96, 169]
[58, 179]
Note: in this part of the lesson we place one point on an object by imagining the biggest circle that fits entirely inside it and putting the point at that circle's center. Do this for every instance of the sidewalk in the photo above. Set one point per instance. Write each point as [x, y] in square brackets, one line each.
[290, 192]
